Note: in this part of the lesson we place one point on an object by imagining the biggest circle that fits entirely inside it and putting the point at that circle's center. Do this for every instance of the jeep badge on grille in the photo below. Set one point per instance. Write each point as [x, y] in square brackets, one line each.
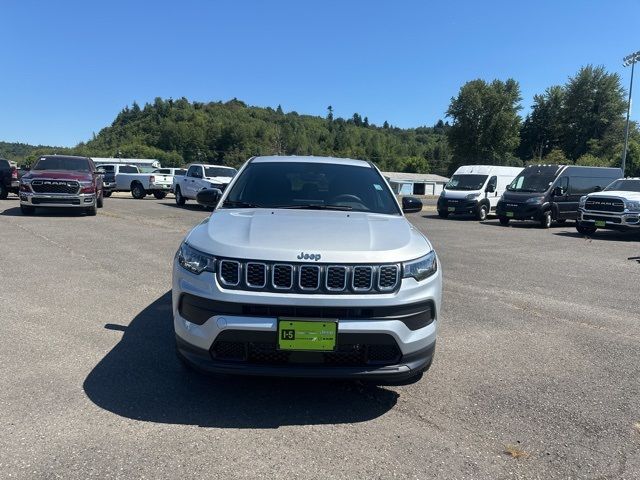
[309, 256]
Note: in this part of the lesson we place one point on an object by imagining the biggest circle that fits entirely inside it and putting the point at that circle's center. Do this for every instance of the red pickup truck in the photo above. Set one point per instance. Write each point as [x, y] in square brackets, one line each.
[62, 181]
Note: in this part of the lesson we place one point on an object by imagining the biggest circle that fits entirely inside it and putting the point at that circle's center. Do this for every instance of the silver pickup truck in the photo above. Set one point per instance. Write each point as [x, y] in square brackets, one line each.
[127, 178]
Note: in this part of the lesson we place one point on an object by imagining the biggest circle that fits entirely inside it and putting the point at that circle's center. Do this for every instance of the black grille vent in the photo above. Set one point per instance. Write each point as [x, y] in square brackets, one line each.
[55, 186]
[603, 204]
[309, 277]
[388, 277]
[362, 278]
[230, 272]
[283, 276]
[336, 278]
[256, 275]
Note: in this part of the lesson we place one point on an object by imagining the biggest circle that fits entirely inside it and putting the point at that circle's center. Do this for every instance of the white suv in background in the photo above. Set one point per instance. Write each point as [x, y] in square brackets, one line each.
[307, 268]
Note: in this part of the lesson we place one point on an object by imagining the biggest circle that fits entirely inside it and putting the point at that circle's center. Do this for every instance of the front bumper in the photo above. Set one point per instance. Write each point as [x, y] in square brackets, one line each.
[414, 348]
[614, 221]
[109, 186]
[81, 200]
[519, 211]
[458, 206]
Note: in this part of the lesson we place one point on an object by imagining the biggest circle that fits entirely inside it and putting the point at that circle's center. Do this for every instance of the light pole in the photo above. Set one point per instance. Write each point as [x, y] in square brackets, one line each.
[628, 60]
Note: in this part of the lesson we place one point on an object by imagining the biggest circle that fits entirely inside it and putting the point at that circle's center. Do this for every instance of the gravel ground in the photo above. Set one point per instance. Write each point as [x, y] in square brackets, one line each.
[537, 355]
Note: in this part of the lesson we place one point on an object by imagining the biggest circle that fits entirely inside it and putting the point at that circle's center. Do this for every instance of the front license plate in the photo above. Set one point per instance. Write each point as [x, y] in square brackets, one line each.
[319, 336]
[510, 214]
[452, 209]
[600, 223]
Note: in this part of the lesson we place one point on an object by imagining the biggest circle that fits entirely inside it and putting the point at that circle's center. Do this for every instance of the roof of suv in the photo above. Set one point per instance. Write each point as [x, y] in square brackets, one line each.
[311, 159]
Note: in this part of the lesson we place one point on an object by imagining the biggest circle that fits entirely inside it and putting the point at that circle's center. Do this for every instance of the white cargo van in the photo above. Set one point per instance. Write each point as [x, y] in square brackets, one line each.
[475, 189]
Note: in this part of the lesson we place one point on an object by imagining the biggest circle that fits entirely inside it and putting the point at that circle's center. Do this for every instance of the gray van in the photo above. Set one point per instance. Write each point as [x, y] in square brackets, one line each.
[547, 193]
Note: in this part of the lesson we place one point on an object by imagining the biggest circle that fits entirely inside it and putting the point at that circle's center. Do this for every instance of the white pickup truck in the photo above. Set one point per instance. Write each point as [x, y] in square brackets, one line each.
[127, 178]
[198, 177]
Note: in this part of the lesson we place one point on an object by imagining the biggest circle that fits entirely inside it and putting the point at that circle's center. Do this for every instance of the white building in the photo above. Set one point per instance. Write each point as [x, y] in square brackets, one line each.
[415, 183]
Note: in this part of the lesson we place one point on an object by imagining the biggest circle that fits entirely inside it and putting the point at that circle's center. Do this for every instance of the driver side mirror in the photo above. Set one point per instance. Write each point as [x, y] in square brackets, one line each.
[209, 197]
[411, 205]
[597, 189]
[491, 188]
[558, 191]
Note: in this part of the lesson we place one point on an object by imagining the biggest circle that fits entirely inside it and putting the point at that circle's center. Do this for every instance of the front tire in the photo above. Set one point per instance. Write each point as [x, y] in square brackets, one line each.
[4, 192]
[482, 213]
[546, 220]
[137, 191]
[100, 200]
[180, 200]
[107, 193]
[27, 210]
[504, 221]
[443, 214]
[159, 195]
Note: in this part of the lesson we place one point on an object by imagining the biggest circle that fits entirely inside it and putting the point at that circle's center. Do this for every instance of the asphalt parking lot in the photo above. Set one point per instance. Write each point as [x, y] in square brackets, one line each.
[537, 355]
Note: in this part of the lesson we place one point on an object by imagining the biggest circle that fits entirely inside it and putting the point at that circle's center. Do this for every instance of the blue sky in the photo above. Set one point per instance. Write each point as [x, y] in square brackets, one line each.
[68, 67]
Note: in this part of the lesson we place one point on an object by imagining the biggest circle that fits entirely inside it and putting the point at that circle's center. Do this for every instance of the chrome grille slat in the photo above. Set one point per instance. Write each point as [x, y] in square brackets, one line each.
[282, 276]
[255, 274]
[336, 278]
[309, 277]
[362, 278]
[387, 277]
[69, 187]
[230, 273]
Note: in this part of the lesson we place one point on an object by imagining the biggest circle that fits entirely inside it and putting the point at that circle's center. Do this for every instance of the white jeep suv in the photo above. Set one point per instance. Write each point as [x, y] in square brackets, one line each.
[307, 267]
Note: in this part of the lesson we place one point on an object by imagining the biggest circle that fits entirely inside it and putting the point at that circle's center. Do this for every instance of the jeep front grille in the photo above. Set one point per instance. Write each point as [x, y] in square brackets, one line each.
[308, 278]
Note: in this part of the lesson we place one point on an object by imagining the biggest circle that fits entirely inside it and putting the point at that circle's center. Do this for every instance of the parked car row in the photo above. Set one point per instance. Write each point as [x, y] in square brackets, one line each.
[128, 178]
[595, 197]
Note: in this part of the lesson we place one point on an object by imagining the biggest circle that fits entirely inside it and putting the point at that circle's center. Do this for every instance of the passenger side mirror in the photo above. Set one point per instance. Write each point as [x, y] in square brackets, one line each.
[491, 188]
[209, 197]
[411, 204]
[597, 189]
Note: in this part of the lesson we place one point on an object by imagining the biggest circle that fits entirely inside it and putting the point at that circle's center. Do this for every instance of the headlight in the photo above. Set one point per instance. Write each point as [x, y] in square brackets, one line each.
[535, 200]
[194, 261]
[471, 196]
[583, 201]
[421, 268]
[632, 205]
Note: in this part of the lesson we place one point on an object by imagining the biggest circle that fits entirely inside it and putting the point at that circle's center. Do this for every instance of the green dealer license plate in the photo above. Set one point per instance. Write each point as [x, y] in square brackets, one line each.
[319, 336]
[510, 214]
[600, 223]
[452, 209]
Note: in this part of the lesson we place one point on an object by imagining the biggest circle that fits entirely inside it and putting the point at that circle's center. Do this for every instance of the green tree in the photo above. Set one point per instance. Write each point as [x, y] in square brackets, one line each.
[542, 130]
[485, 127]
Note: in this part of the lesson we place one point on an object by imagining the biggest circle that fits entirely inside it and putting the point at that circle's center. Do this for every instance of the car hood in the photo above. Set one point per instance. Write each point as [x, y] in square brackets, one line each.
[219, 179]
[508, 196]
[618, 194]
[458, 194]
[283, 235]
[58, 175]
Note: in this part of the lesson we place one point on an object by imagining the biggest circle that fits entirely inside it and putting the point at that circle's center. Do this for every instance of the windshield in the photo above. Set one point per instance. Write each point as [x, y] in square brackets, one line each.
[63, 163]
[314, 186]
[624, 186]
[466, 182]
[219, 172]
[532, 180]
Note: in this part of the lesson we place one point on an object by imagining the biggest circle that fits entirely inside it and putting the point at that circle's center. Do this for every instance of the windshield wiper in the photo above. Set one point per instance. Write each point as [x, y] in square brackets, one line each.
[314, 207]
[239, 204]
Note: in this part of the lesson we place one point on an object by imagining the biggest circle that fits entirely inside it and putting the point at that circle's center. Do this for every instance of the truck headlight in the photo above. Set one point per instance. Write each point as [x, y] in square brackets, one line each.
[194, 260]
[583, 201]
[535, 200]
[632, 204]
[471, 196]
[421, 268]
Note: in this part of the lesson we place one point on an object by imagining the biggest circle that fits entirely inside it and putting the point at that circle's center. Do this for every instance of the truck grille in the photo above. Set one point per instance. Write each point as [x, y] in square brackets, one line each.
[308, 278]
[603, 204]
[55, 186]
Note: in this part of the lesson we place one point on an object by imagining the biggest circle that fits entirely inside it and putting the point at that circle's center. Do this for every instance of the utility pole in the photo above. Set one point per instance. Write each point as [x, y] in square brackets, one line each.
[628, 60]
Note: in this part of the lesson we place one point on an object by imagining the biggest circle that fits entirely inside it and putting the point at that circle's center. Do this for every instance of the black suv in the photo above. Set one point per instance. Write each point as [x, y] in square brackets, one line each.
[8, 178]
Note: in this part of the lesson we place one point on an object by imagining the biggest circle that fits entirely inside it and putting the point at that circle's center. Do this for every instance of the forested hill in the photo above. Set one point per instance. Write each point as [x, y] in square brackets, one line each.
[19, 151]
[178, 132]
